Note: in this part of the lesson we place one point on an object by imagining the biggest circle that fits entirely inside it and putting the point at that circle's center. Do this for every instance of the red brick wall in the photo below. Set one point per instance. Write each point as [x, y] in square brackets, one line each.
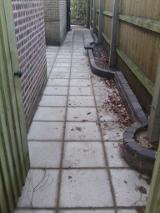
[30, 35]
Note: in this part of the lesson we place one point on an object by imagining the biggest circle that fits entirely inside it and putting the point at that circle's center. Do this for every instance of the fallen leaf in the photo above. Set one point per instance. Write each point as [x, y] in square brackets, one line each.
[140, 209]
[141, 189]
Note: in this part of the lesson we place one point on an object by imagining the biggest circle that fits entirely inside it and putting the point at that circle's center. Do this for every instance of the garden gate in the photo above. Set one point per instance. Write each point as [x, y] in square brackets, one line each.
[14, 161]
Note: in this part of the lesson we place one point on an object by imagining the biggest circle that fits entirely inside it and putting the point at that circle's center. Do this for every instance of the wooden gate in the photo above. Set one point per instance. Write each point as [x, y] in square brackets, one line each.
[14, 161]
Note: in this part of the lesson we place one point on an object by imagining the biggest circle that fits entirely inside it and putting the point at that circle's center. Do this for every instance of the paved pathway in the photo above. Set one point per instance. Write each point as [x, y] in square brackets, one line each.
[75, 163]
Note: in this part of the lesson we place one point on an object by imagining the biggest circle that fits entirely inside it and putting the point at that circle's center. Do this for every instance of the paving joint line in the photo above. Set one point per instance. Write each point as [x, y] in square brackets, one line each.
[52, 63]
[64, 130]
[81, 168]
[105, 154]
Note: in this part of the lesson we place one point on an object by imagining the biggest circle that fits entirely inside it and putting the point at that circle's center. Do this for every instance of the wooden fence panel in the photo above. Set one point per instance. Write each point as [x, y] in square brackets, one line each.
[109, 5]
[141, 8]
[138, 43]
[141, 46]
[107, 27]
[14, 161]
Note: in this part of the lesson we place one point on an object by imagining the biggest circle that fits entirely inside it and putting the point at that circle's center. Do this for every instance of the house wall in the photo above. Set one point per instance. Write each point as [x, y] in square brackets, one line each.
[63, 18]
[55, 21]
[30, 39]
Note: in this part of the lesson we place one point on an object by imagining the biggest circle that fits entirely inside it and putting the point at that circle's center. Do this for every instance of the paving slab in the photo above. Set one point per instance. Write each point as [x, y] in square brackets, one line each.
[79, 91]
[83, 101]
[58, 82]
[80, 82]
[40, 190]
[102, 91]
[63, 60]
[53, 101]
[130, 188]
[85, 188]
[63, 64]
[45, 154]
[112, 131]
[78, 75]
[80, 68]
[59, 75]
[98, 82]
[60, 69]
[82, 154]
[81, 114]
[46, 131]
[113, 150]
[55, 90]
[105, 115]
[50, 114]
[82, 131]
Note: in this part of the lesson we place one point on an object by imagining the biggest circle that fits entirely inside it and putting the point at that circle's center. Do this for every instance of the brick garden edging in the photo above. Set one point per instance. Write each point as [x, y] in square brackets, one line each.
[140, 158]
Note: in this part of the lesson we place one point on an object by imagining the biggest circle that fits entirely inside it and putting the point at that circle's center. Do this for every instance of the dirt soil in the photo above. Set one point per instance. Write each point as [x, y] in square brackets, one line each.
[142, 139]
[116, 105]
[100, 56]
[113, 102]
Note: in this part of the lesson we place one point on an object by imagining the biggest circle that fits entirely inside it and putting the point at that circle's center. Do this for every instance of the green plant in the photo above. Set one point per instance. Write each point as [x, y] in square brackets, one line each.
[79, 10]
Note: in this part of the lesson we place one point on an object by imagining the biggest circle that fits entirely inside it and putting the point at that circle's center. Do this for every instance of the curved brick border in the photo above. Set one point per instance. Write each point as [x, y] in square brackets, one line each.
[140, 158]
[95, 69]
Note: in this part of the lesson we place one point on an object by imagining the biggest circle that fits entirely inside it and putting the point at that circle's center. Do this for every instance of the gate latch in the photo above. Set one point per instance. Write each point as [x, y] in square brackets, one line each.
[18, 74]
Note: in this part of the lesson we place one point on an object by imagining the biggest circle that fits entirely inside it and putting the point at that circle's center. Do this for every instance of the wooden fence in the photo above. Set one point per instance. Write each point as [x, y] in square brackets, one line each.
[137, 41]
[14, 161]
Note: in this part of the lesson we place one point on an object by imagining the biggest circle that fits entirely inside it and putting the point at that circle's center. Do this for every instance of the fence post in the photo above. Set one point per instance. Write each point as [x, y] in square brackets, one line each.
[100, 20]
[115, 19]
[94, 16]
[153, 204]
[154, 120]
[88, 13]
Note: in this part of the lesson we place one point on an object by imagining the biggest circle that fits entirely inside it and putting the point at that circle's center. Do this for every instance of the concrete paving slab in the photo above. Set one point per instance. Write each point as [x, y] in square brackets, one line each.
[80, 82]
[50, 114]
[78, 91]
[114, 155]
[83, 101]
[128, 186]
[112, 131]
[46, 131]
[55, 90]
[81, 114]
[58, 82]
[85, 188]
[40, 190]
[45, 154]
[82, 131]
[82, 154]
[78, 75]
[53, 101]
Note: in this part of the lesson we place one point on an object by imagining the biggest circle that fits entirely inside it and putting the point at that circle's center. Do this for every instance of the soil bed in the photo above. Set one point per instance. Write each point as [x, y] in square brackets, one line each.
[100, 56]
[141, 138]
[113, 102]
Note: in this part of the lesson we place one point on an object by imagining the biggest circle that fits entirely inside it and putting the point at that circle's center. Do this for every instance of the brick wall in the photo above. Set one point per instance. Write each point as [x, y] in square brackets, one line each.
[30, 35]
[55, 13]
